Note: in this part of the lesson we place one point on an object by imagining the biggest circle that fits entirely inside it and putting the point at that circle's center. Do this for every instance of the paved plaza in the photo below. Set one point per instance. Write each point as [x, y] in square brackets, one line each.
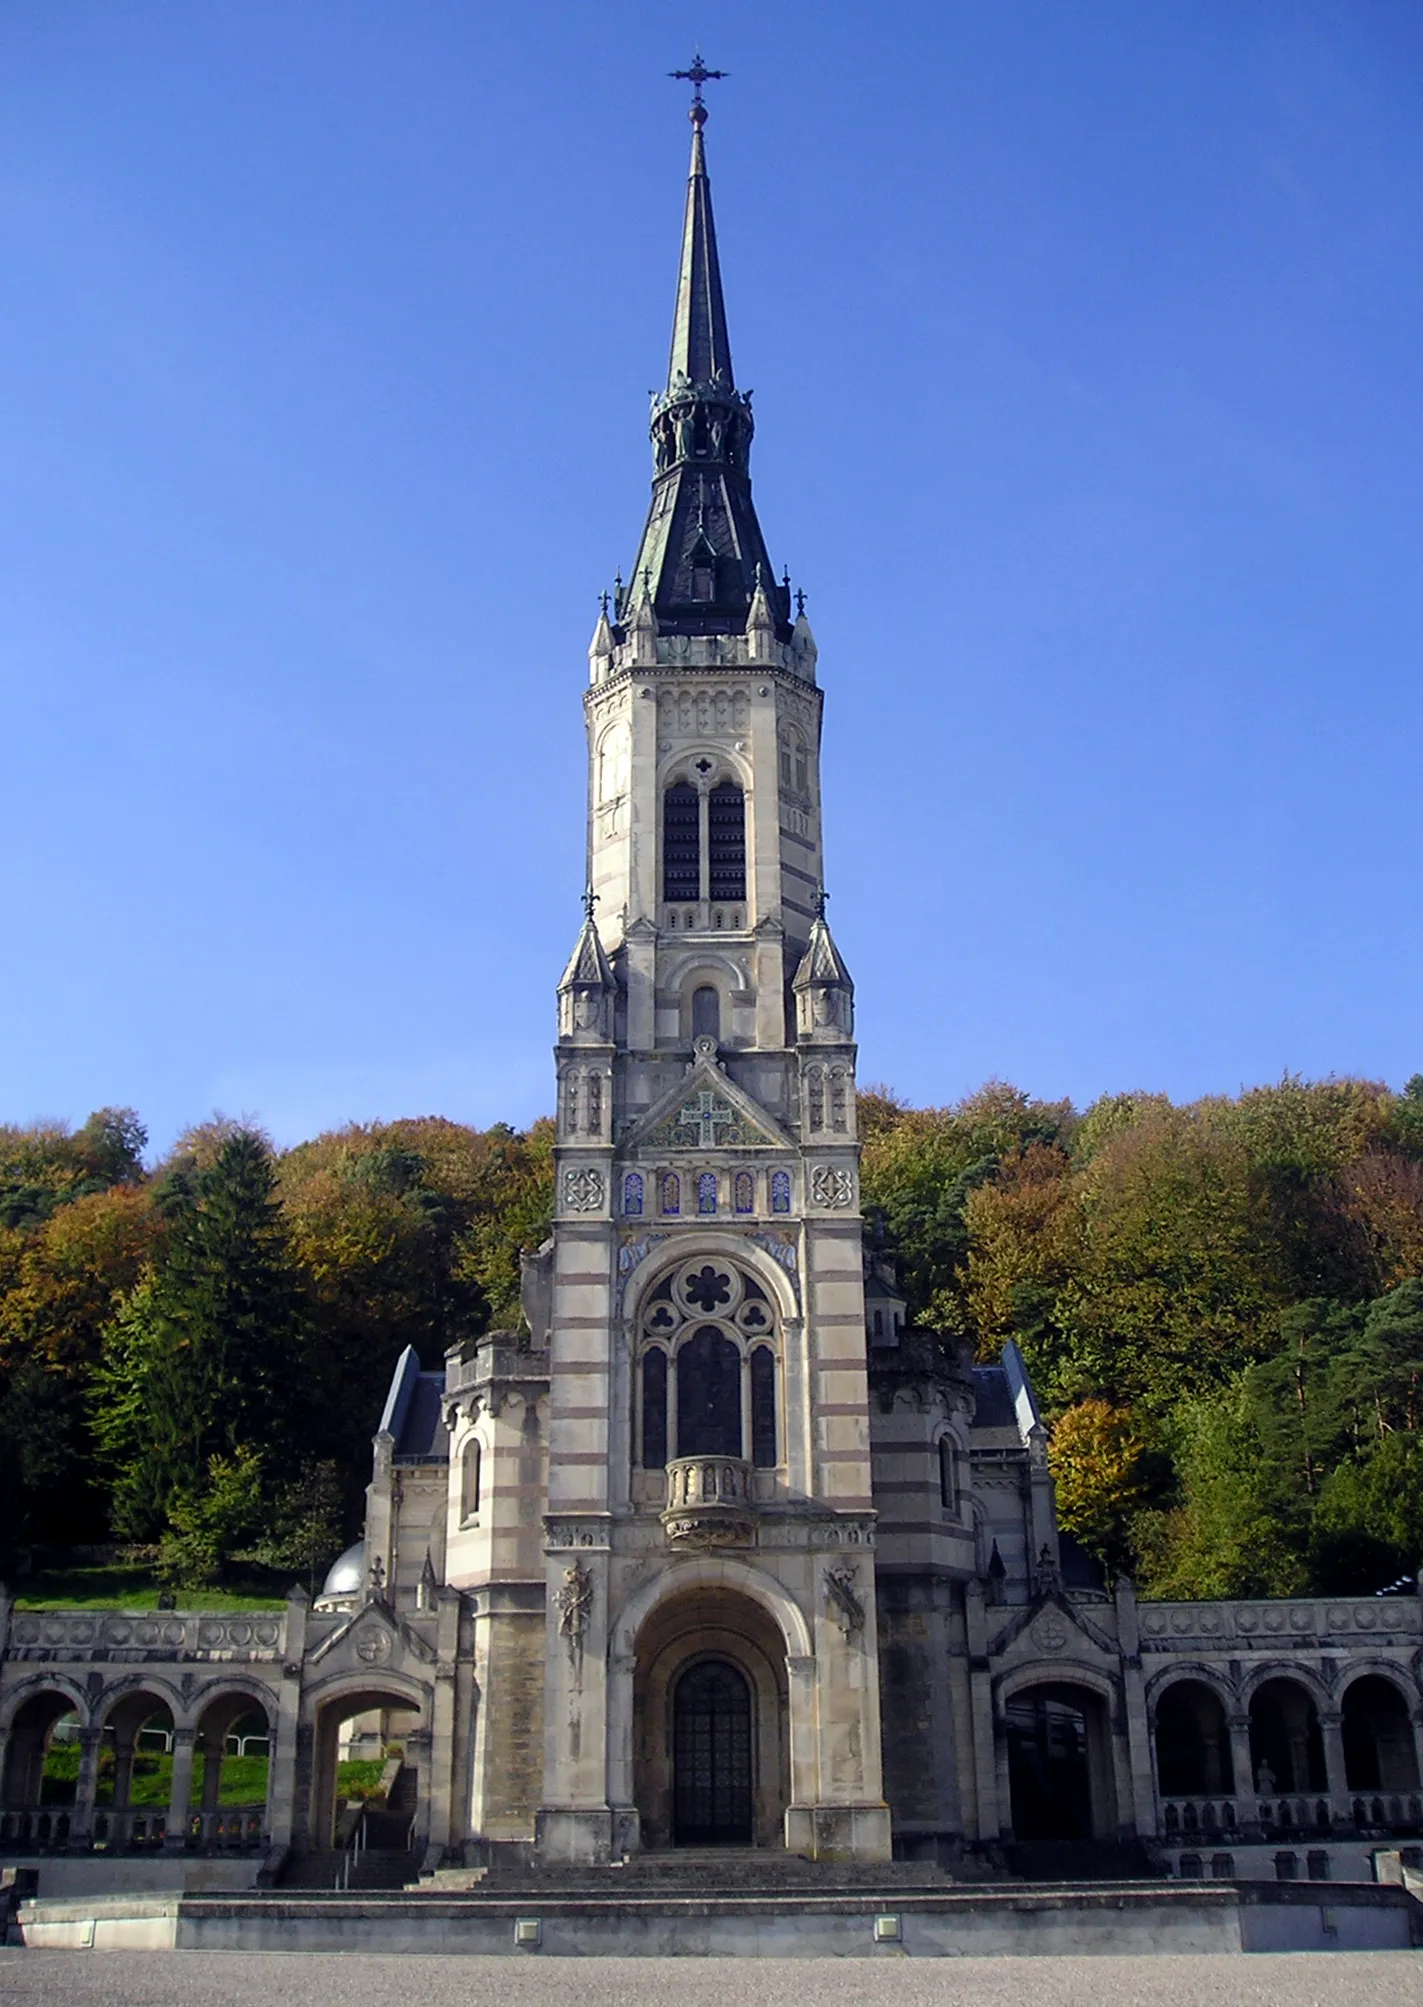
[221, 1979]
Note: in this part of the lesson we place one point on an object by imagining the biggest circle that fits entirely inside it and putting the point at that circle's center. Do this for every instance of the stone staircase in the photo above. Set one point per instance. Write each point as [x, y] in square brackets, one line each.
[694, 1872]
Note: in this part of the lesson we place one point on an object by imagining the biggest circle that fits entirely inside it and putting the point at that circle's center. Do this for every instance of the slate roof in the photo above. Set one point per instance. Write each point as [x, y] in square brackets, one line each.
[993, 1399]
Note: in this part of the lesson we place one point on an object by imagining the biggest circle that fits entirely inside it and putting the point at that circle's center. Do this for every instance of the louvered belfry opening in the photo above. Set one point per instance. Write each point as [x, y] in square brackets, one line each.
[711, 1756]
[681, 843]
[726, 841]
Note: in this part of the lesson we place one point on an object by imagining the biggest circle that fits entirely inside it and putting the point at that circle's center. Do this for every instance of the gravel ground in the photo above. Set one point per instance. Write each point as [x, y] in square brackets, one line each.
[318, 1979]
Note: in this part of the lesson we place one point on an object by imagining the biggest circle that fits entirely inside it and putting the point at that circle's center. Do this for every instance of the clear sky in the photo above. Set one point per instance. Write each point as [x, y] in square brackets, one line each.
[1085, 337]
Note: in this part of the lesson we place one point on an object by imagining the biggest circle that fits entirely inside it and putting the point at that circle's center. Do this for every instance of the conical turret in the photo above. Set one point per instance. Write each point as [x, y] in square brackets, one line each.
[587, 988]
[824, 993]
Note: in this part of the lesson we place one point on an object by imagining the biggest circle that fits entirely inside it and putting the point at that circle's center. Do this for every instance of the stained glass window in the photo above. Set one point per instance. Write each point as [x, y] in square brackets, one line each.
[708, 1395]
[763, 1407]
[654, 1410]
[780, 1191]
[632, 1194]
[744, 1192]
[706, 1192]
[671, 1192]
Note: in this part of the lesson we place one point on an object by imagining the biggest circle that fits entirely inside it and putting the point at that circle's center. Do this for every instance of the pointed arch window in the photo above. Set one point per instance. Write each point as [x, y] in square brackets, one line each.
[470, 1460]
[780, 1191]
[948, 1474]
[654, 1409]
[726, 841]
[681, 843]
[632, 1194]
[763, 1407]
[744, 1192]
[708, 1395]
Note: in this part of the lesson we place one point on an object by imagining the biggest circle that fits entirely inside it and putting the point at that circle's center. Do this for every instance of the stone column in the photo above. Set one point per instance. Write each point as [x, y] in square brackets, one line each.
[1416, 1719]
[121, 1831]
[1246, 1809]
[81, 1822]
[1336, 1774]
[176, 1837]
[989, 1812]
[442, 1725]
[212, 1784]
[1138, 1726]
[283, 1720]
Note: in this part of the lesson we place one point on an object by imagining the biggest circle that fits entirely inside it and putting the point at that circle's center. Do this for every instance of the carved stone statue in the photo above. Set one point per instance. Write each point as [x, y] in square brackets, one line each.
[574, 1602]
[846, 1609]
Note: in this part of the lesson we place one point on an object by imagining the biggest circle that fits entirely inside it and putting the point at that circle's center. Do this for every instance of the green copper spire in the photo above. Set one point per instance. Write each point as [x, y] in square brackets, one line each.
[702, 547]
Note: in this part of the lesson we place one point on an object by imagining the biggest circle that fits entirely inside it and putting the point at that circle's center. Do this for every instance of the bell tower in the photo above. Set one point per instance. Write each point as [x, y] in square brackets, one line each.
[709, 1502]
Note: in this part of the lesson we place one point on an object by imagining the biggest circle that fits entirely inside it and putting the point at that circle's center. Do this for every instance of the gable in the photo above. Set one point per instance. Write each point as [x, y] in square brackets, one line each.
[706, 1111]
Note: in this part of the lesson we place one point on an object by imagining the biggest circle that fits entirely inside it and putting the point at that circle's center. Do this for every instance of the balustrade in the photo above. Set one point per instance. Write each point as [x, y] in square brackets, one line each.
[709, 1502]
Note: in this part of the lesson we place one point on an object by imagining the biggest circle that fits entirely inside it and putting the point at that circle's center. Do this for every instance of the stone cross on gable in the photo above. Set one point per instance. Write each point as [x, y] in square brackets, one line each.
[708, 1113]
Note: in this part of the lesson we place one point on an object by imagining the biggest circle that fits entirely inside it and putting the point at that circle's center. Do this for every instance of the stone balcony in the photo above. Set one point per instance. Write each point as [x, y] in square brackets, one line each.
[709, 1502]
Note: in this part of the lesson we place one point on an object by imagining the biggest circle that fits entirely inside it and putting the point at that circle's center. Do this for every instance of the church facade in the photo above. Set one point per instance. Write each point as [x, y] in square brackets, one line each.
[720, 1550]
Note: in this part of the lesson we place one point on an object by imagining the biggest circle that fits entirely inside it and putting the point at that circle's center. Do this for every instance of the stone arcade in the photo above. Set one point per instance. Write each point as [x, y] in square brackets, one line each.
[719, 1551]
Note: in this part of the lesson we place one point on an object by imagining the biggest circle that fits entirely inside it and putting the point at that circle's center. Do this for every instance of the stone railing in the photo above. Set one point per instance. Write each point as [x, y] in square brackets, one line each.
[165, 1634]
[35, 1828]
[135, 1830]
[1192, 1819]
[709, 1502]
[1302, 1621]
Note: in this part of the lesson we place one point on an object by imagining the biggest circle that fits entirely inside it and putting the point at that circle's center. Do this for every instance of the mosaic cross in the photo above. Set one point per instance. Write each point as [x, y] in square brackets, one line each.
[712, 1117]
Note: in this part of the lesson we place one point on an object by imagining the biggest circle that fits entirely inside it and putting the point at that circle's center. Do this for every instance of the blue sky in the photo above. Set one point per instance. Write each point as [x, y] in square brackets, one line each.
[1085, 342]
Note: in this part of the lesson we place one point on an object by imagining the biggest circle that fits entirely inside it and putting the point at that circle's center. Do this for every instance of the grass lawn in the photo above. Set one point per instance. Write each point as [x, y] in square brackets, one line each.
[116, 1588]
[244, 1778]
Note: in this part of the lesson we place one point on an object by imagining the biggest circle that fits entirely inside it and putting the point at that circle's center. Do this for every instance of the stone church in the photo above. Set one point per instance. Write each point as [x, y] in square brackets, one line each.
[721, 1551]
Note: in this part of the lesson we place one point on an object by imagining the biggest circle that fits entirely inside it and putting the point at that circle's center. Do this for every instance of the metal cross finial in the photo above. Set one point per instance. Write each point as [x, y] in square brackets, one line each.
[698, 75]
[590, 900]
[800, 602]
[822, 900]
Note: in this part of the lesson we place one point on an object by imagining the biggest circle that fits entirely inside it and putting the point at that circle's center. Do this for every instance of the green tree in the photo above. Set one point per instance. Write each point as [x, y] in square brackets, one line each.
[204, 1360]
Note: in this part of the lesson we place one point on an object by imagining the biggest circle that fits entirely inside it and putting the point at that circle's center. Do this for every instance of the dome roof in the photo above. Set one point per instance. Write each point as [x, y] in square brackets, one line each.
[347, 1574]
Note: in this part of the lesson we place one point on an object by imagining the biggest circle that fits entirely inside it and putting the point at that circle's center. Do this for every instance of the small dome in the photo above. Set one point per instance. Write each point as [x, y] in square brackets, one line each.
[347, 1574]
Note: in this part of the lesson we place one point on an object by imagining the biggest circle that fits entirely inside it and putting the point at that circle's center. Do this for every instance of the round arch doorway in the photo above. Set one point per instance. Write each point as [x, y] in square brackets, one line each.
[712, 1795]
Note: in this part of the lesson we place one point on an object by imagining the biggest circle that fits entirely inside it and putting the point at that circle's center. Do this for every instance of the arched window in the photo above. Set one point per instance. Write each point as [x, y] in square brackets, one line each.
[632, 1194]
[706, 1192]
[708, 1395]
[744, 1192]
[654, 1409]
[794, 771]
[780, 1191]
[706, 1012]
[469, 1479]
[681, 843]
[948, 1474]
[671, 1192]
[726, 841]
[763, 1407]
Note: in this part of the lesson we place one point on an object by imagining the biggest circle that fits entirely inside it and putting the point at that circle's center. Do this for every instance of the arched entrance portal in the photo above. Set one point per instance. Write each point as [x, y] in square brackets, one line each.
[711, 1743]
[1059, 1764]
[369, 1756]
[711, 1757]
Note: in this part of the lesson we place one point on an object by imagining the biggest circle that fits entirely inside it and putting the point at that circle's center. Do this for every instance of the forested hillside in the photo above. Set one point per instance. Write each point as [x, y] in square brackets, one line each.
[1221, 1304]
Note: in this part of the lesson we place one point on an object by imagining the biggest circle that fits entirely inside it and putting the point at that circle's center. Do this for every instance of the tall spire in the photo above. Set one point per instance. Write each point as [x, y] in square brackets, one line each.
[702, 547]
[701, 347]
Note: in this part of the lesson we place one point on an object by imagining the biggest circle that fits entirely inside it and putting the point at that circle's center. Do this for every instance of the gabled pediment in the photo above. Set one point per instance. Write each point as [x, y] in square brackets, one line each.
[1049, 1625]
[706, 1111]
[377, 1635]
